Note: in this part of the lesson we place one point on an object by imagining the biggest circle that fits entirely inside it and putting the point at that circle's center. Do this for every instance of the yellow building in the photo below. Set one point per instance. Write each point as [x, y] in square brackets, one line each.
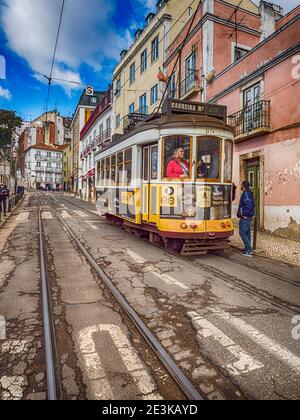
[137, 88]
[67, 167]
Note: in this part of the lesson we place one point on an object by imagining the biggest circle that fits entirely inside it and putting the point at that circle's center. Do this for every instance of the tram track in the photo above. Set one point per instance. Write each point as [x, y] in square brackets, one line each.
[54, 386]
[230, 280]
[260, 270]
[165, 359]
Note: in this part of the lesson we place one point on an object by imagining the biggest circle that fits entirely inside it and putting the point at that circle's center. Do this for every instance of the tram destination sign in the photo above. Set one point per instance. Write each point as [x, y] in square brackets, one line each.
[174, 106]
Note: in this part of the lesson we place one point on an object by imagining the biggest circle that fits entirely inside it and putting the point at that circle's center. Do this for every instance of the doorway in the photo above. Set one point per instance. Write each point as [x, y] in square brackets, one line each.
[254, 178]
[150, 190]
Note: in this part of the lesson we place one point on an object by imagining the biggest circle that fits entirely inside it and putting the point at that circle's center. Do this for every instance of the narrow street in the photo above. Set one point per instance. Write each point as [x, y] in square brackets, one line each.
[227, 323]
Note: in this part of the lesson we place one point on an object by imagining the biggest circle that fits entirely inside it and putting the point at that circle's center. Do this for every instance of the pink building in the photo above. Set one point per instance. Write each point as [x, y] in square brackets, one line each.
[248, 59]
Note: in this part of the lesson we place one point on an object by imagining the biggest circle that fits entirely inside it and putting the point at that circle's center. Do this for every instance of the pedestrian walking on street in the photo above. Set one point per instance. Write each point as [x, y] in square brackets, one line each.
[246, 212]
[3, 195]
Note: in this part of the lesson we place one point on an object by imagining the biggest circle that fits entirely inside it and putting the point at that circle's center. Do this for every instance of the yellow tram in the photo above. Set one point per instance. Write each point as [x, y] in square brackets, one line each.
[170, 177]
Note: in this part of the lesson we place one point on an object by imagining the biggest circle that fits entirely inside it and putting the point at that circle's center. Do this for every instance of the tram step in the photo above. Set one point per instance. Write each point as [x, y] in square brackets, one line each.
[202, 248]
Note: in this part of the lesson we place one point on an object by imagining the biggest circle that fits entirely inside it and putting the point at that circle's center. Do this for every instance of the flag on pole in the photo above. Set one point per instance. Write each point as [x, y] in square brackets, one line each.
[161, 76]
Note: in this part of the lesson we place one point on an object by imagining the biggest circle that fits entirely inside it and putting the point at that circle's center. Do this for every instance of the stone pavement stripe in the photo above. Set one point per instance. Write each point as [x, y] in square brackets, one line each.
[23, 217]
[136, 257]
[164, 277]
[46, 215]
[170, 280]
[80, 213]
[2, 328]
[65, 215]
[244, 363]
[262, 340]
[94, 368]
[91, 224]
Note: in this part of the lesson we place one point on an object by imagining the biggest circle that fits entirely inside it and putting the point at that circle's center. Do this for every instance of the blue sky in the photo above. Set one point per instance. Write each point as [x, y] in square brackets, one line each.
[92, 36]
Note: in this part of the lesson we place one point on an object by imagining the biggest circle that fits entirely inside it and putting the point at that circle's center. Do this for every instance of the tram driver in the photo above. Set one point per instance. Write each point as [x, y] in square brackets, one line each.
[178, 166]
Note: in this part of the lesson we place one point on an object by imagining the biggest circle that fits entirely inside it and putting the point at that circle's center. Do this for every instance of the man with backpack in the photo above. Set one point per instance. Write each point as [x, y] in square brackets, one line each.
[246, 212]
[4, 196]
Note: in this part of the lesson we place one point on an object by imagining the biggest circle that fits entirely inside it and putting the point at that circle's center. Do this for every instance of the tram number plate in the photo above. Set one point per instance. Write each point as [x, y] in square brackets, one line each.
[210, 131]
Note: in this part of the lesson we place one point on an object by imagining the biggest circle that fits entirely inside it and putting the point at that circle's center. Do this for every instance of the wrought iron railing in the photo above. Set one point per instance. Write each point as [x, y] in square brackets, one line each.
[251, 118]
[131, 120]
[106, 136]
[188, 84]
[172, 93]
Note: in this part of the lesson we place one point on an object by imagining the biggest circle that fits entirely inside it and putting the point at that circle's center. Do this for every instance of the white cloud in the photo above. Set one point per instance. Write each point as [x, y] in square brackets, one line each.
[87, 35]
[5, 93]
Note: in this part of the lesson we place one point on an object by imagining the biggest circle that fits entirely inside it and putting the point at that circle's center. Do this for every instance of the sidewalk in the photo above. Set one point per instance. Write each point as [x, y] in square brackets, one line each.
[272, 246]
[15, 201]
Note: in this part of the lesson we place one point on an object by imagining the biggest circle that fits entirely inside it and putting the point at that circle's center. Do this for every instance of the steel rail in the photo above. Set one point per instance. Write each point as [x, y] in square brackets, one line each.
[54, 393]
[186, 386]
[240, 283]
[276, 276]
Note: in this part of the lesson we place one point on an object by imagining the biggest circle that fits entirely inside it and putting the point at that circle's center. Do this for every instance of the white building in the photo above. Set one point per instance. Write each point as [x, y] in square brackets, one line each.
[43, 167]
[94, 135]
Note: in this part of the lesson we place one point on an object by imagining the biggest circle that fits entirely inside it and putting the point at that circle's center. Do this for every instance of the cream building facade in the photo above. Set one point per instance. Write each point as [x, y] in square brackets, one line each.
[137, 88]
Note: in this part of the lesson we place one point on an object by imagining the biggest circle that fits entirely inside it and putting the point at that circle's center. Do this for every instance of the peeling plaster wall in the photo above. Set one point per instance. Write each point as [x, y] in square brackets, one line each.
[283, 221]
[280, 183]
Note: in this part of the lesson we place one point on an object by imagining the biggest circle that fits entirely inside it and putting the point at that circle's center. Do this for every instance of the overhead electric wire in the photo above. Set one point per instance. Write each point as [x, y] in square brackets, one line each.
[54, 56]
[179, 53]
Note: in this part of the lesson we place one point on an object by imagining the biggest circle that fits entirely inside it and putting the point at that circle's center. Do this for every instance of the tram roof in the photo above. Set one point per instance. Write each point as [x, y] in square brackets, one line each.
[172, 121]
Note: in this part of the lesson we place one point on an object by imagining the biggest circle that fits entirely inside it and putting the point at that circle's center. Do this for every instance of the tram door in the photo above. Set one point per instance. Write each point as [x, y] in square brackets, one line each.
[150, 190]
[253, 172]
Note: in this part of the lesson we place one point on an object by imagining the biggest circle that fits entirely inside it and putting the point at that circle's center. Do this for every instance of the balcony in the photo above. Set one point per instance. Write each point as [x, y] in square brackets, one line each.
[190, 86]
[131, 120]
[106, 136]
[172, 93]
[251, 121]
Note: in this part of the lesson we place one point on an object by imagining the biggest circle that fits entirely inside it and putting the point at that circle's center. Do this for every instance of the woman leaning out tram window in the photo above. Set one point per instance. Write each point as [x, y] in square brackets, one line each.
[177, 159]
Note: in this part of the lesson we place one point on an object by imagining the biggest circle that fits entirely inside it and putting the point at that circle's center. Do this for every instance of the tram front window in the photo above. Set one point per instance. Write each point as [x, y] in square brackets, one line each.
[209, 158]
[177, 157]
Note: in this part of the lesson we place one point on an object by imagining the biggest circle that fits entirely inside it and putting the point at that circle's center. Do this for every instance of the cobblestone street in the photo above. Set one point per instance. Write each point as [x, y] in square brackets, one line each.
[227, 324]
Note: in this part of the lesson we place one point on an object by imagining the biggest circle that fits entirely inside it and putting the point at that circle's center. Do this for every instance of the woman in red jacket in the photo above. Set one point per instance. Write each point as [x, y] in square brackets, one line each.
[178, 167]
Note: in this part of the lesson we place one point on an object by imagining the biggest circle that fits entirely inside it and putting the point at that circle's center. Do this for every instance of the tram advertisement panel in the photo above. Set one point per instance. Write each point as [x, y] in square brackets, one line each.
[199, 202]
[118, 202]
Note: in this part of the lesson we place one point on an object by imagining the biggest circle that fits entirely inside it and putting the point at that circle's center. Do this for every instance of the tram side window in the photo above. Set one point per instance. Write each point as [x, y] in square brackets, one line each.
[209, 158]
[98, 175]
[177, 157]
[128, 166]
[107, 170]
[146, 163]
[120, 162]
[102, 172]
[154, 162]
[113, 169]
[228, 161]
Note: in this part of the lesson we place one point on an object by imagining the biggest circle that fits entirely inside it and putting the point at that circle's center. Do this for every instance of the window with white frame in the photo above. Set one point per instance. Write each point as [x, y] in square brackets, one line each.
[131, 108]
[154, 94]
[118, 121]
[144, 61]
[155, 49]
[132, 73]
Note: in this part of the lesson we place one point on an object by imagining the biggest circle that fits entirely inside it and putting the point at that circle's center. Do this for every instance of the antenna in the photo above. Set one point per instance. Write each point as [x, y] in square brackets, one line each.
[236, 24]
